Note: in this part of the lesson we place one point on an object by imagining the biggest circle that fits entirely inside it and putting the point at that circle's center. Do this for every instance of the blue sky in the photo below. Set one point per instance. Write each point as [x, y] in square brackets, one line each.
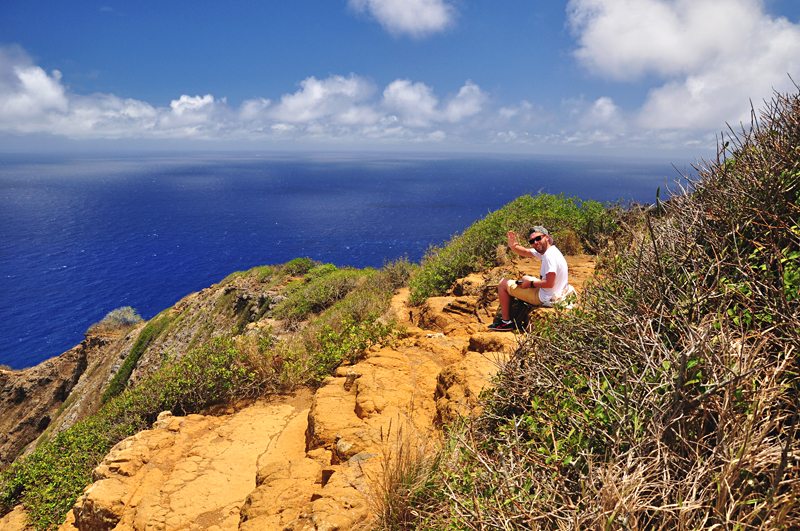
[633, 77]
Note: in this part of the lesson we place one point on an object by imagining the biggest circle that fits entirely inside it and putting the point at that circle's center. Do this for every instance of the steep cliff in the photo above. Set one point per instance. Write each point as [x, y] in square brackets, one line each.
[44, 400]
[34, 399]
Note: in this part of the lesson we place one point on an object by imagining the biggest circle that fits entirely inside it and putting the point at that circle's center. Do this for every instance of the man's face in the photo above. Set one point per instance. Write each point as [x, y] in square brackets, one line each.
[537, 240]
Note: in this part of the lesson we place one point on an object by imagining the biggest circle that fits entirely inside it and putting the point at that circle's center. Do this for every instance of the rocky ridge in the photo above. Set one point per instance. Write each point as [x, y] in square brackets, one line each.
[308, 463]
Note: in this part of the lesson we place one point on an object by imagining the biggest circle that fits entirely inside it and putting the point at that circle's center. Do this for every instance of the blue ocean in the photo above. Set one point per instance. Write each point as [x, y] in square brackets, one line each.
[82, 235]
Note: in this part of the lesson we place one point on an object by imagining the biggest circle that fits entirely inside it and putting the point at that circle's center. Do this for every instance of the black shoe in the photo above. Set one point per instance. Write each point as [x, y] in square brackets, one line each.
[497, 321]
[505, 327]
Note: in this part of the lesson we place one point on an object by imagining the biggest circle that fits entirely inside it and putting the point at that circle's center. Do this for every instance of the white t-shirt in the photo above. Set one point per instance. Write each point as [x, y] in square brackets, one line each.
[552, 261]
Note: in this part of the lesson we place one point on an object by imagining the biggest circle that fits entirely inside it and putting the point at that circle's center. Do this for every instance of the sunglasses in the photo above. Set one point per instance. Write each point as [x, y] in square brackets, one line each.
[536, 239]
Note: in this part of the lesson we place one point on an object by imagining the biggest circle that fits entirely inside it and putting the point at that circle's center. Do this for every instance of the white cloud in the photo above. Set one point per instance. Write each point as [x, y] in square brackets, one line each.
[712, 55]
[332, 109]
[415, 102]
[523, 109]
[188, 106]
[468, 102]
[253, 109]
[625, 39]
[419, 107]
[30, 92]
[417, 18]
[104, 115]
[604, 110]
[331, 97]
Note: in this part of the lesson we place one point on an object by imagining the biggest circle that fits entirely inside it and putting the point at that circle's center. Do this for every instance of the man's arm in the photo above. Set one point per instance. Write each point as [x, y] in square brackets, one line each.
[514, 246]
[547, 282]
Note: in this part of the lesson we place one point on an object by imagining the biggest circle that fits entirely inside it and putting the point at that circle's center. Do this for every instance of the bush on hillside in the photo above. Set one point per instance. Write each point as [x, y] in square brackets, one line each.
[119, 319]
[298, 267]
[319, 290]
[396, 274]
[569, 219]
[669, 399]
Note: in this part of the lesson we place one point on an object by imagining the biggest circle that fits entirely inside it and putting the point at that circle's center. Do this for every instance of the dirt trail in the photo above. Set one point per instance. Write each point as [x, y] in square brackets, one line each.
[308, 463]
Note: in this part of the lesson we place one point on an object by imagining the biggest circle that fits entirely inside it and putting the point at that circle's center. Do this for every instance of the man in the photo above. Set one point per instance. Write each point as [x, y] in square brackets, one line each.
[553, 276]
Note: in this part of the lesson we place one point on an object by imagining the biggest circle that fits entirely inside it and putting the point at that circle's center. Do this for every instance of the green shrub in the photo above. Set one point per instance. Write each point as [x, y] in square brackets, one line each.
[298, 267]
[264, 273]
[146, 337]
[320, 271]
[476, 248]
[50, 479]
[318, 293]
[119, 319]
[332, 346]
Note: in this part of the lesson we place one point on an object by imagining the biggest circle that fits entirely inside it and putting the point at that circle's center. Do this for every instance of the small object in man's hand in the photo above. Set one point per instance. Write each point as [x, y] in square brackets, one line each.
[520, 282]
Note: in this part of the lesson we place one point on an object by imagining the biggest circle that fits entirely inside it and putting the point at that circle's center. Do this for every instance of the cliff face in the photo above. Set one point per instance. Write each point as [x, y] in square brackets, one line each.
[46, 399]
[30, 399]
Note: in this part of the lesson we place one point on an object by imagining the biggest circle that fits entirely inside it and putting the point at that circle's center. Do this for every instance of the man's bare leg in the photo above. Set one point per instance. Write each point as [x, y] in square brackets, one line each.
[505, 298]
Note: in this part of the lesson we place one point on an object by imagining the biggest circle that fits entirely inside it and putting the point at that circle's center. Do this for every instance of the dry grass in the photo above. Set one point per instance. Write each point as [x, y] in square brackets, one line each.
[669, 399]
[403, 494]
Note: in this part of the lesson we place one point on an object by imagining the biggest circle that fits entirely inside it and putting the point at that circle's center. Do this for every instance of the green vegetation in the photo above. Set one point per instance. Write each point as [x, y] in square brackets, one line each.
[574, 224]
[322, 287]
[298, 266]
[669, 399]
[332, 346]
[146, 337]
[263, 274]
[119, 319]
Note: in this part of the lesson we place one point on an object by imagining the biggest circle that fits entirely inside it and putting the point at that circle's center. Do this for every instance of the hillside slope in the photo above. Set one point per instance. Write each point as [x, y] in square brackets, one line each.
[313, 462]
[317, 472]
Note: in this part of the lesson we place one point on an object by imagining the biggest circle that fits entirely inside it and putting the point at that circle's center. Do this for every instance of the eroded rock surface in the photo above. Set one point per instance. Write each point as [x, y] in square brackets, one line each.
[189, 472]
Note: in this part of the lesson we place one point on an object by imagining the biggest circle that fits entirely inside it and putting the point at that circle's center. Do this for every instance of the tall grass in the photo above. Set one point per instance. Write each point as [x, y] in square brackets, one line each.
[401, 494]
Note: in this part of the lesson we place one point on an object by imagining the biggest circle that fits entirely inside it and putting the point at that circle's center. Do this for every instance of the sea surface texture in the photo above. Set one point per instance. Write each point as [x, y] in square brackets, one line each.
[83, 235]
